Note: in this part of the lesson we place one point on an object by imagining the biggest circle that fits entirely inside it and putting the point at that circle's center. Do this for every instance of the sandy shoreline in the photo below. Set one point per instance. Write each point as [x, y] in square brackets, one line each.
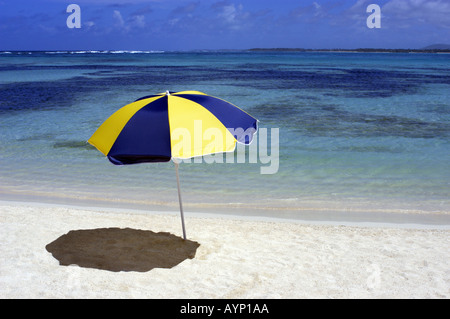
[224, 257]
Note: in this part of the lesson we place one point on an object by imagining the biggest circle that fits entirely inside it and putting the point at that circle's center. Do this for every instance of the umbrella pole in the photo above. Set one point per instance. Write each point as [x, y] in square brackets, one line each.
[179, 198]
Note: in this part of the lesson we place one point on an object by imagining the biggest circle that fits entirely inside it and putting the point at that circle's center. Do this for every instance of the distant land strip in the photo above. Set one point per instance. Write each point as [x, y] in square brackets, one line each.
[351, 50]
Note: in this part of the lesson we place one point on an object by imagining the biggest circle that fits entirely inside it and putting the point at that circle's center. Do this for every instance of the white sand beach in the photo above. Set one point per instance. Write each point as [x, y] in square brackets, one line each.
[223, 257]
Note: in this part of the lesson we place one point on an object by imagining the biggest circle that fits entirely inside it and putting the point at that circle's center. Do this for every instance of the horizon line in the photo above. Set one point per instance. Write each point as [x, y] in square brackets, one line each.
[260, 49]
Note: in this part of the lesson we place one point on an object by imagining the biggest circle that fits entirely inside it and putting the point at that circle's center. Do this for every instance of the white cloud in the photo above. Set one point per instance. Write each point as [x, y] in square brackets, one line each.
[118, 18]
[229, 13]
[89, 24]
[435, 12]
[174, 21]
[233, 15]
[361, 5]
[139, 21]
[135, 21]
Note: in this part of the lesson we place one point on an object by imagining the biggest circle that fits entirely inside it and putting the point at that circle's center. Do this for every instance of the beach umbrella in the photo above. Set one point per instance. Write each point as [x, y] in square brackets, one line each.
[173, 125]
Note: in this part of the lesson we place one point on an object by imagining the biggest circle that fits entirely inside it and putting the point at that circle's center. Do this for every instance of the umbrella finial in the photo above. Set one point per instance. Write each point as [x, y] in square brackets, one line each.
[167, 93]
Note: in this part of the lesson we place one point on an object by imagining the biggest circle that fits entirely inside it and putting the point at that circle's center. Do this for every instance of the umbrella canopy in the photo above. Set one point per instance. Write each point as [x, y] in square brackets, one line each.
[173, 125]
[143, 130]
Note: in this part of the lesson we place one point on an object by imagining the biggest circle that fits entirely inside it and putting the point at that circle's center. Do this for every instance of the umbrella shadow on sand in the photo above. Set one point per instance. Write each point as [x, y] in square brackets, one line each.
[118, 249]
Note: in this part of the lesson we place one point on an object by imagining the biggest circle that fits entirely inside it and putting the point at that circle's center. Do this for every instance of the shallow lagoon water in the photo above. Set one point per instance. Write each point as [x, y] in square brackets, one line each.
[357, 131]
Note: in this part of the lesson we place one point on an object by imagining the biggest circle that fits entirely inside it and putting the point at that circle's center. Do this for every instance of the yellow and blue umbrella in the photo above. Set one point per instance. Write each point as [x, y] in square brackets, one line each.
[173, 125]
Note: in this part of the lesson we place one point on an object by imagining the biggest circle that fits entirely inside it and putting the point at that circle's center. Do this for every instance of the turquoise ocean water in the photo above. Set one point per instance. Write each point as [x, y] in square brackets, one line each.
[357, 131]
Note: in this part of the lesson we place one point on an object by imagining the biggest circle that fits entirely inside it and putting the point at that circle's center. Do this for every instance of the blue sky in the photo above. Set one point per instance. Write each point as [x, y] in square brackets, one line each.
[221, 24]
